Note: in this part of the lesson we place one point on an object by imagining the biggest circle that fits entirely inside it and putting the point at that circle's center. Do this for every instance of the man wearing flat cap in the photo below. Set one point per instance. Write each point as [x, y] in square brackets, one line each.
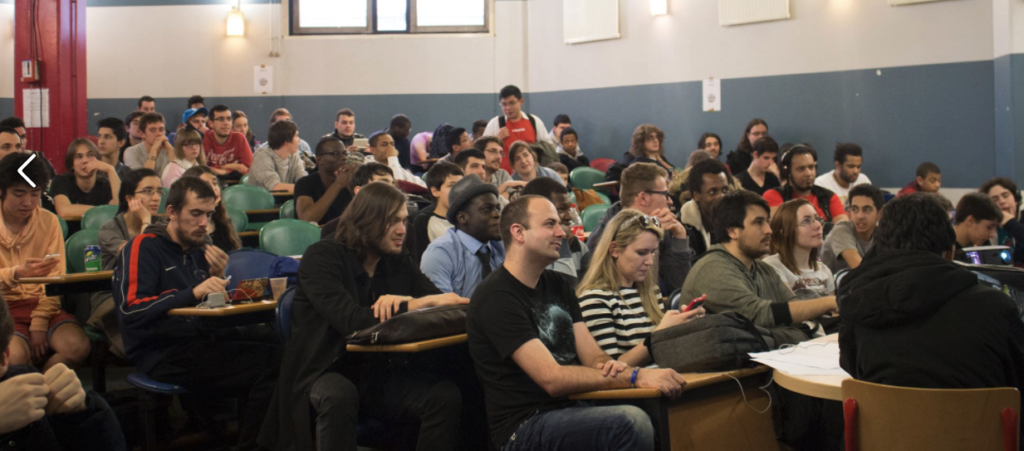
[458, 260]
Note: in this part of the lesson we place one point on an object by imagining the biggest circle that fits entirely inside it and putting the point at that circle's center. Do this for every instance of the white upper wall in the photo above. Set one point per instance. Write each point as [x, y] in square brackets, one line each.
[7, 50]
[821, 36]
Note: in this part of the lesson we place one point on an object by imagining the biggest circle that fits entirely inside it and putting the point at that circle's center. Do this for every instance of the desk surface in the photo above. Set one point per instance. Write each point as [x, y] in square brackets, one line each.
[693, 381]
[263, 212]
[610, 184]
[230, 310]
[70, 278]
[825, 387]
[411, 347]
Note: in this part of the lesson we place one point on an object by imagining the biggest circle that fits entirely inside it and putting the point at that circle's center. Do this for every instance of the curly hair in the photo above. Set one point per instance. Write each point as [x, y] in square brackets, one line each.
[640, 135]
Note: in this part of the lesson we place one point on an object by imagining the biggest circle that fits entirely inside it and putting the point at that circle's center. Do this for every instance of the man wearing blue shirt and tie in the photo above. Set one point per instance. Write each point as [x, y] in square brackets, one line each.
[458, 260]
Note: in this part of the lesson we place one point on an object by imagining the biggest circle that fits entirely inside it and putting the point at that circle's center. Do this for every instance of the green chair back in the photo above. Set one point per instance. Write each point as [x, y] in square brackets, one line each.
[288, 236]
[96, 216]
[244, 180]
[245, 197]
[592, 214]
[163, 201]
[63, 226]
[585, 178]
[572, 196]
[238, 218]
[74, 248]
[288, 210]
[604, 198]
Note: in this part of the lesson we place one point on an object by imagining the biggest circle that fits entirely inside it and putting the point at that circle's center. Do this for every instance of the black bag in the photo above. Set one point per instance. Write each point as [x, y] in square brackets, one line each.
[713, 343]
[417, 325]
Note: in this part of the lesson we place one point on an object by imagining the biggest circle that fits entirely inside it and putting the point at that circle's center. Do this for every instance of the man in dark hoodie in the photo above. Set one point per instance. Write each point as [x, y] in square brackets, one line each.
[913, 318]
[169, 266]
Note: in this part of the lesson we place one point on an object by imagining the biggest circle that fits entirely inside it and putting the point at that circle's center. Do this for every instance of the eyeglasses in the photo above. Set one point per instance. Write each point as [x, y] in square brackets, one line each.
[151, 191]
[664, 193]
[191, 145]
[808, 222]
[495, 151]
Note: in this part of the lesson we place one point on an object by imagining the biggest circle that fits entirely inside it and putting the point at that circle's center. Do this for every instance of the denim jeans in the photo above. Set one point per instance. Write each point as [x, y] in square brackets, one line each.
[590, 428]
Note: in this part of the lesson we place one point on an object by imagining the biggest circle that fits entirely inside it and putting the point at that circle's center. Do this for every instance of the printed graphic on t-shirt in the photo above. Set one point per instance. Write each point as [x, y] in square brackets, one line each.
[219, 159]
[810, 288]
[554, 325]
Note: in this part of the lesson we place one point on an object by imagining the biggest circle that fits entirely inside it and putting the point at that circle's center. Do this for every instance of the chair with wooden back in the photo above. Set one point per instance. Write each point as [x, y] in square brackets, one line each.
[885, 417]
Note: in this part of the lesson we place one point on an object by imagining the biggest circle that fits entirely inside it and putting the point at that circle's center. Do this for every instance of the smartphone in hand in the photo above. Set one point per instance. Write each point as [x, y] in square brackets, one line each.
[696, 303]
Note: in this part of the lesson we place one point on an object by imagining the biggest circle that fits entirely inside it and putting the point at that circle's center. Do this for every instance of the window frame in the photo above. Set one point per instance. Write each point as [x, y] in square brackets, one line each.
[294, 8]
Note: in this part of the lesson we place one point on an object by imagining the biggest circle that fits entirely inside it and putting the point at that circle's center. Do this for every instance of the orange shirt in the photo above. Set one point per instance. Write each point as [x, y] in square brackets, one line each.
[40, 236]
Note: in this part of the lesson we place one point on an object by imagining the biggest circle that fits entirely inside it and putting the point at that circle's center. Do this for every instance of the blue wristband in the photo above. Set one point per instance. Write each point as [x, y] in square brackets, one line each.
[632, 379]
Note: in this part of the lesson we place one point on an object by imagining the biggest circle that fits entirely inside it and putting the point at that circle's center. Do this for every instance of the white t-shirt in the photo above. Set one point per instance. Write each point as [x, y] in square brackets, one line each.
[436, 227]
[827, 181]
[809, 284]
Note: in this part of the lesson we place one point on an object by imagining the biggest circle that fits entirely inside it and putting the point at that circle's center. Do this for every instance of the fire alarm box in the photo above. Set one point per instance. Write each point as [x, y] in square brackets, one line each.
[29, 71]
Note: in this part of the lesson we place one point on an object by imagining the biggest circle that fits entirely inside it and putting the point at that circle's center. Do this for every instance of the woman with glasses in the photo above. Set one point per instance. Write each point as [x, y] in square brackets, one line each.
[221, 230]
[619, 296]
[648, 146]
[797, 236]
[188, 152]
[138, 203]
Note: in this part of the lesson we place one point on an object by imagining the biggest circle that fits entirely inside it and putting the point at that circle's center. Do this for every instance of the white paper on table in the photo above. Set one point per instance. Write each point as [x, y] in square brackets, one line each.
[804, 359]
[712, 96]
[263, 79]
[36, 107]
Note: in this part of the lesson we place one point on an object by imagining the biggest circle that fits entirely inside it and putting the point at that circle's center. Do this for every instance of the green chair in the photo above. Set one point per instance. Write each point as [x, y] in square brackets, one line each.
[288, 210]
[74, 248]
[572, 196]
[592, 214]
[244, 180]
[288, 236]
[604, 198]
[163, 201]
[96, 216]
[585, 178]
[63, 226]
[238, 218]
[245, 197]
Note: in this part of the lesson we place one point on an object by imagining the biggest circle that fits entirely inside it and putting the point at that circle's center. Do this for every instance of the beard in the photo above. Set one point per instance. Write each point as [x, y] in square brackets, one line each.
[383, 247]
[188, 240]
[753, 252]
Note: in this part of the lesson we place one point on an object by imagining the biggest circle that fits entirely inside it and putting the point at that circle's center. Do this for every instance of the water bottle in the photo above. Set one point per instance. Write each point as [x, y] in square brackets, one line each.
[577, 223]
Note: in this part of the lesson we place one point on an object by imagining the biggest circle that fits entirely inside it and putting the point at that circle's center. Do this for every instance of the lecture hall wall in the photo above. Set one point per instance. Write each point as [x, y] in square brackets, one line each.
[927, 82]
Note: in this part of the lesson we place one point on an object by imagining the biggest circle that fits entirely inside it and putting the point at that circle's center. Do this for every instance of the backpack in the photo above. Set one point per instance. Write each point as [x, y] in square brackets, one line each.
[823, 195]
[717, 342]
[545, 152]
[533, 123]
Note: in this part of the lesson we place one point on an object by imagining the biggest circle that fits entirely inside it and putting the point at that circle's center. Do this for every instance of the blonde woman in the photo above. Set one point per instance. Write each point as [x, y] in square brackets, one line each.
[619, 295]
[188, 152]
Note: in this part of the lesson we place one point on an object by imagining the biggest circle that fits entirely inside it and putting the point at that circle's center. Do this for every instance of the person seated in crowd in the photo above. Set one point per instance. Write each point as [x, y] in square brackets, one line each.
[220, 229]
[456, 140]
[465, 254]
[399, 129]
[709, 181]
[514, 125]
[977, 218]
[848, 159]
[524, 160]
[734, 279]
[382, 148]
[135, 134]
[19, 126]
[323, 195]
[531, 349]
[562, 171]
[644, 187]
[431, 222]
[849, 241]
[147, 104]
[155, 151]
[345, 129]
[758, 177]
[472, 161]
[195, 102]
[282, 114]
[796, 240]
[419, 148]
[493, 152]
[192, 119]
[574, 255]
[569, 152]
[170, 267]
[188, 152]
[279, 169]
[679, 188]
[10, 142]
[1007, 197]
[710, 143]
[226, 151]
[51, 410]
[479, 126]
[351, 282]
[32, 245]
[928, 180]
[82, 187]
[799, 168]
[739, 159]
[240, 124]
[648, 146]
[369, 172]
[110, 136]
[620, 304]
[899, 306]
[560, 123]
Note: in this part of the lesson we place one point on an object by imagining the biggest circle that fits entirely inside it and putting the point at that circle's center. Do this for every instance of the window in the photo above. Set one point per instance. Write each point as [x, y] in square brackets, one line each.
[388, 16]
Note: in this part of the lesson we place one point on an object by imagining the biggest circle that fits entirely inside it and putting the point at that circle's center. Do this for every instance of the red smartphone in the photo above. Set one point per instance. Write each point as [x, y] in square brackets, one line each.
[696, 303]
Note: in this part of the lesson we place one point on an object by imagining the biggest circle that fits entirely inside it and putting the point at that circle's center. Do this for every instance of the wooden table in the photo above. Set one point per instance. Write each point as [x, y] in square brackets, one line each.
[83, 282]
[710, 415]
[229, 310]
[418, 346]
[825, 387]
[611, 184]
[250, 238]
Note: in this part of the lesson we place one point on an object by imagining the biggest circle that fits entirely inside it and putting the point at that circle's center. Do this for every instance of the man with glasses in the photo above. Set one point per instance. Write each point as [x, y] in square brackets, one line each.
[227, 152]
[644, 187]
[494, 152]
[513, 125]
[323, 195]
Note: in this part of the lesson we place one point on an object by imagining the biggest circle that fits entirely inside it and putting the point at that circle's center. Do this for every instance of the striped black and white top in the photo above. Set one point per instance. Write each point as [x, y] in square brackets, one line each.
[617, 321]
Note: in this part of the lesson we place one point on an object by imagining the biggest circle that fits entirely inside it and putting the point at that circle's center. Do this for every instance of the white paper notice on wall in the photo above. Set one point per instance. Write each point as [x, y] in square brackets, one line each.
[263, 79]
[36, 107]
[712, 94]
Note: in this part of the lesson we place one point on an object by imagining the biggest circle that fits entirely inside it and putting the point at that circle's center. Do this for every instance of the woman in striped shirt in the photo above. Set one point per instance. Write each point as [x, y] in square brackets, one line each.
[620, 304]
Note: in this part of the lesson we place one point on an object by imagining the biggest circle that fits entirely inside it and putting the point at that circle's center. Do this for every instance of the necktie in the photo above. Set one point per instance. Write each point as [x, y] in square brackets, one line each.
[485, 261]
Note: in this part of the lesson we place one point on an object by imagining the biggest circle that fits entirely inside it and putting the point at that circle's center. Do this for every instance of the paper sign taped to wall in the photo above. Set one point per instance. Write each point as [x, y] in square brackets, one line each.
[712, 94]
[36, 107]
[263, 79]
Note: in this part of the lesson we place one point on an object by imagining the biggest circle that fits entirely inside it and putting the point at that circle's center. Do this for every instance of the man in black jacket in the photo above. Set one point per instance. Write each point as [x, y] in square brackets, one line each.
[913, 318]
[358, 279]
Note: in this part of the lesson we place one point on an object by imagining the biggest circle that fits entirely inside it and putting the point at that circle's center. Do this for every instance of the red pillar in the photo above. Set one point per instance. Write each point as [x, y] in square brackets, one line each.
[58, 40]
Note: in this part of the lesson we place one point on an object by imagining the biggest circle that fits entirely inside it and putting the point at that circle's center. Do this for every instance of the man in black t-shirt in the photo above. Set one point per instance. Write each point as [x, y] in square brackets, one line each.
[531, 349]
[324, 194]
[759, 176]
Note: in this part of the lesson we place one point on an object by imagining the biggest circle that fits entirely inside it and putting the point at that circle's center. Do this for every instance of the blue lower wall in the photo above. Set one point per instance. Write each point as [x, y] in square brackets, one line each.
[6, 106]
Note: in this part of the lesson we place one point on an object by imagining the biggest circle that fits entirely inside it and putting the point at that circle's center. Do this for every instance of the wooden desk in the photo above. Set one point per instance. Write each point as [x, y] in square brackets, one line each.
[825, 387]
[710, 414]
[230, 310]
[83, 282]
[250, 238]
[611, 184]
[418, 346]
